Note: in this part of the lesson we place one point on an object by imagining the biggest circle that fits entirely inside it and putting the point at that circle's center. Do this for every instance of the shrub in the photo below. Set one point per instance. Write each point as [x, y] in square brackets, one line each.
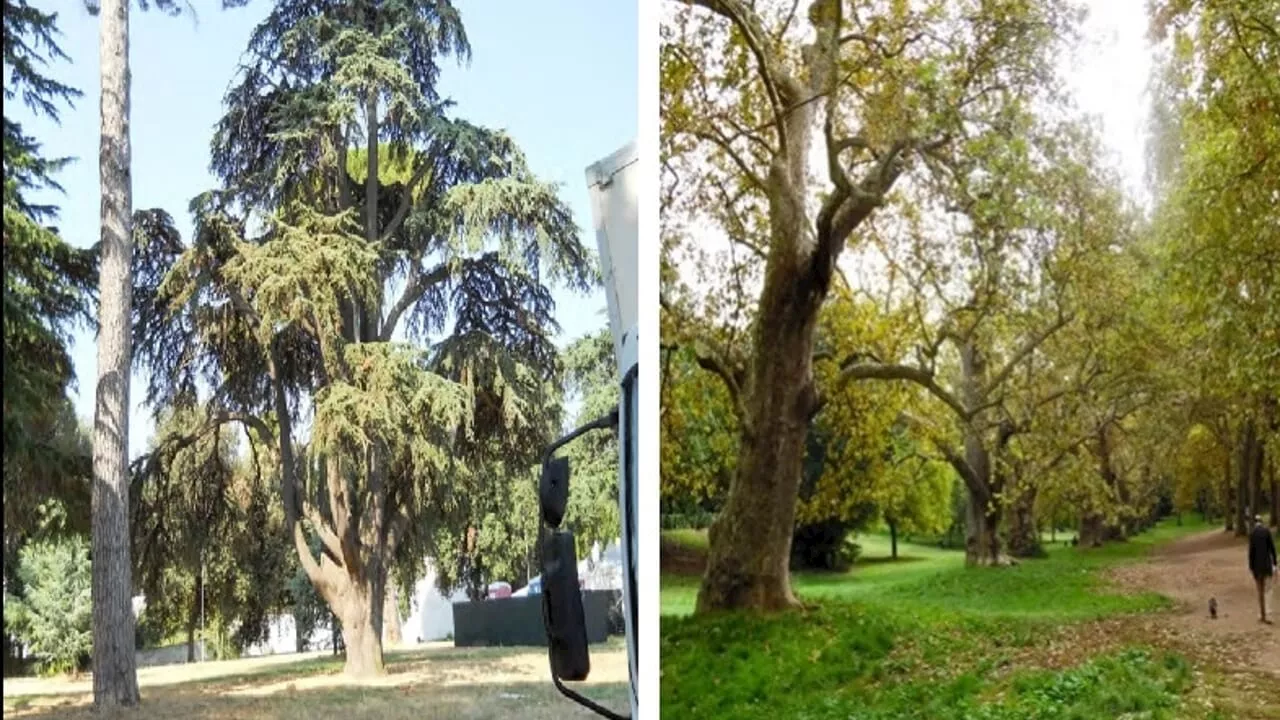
[53, 615]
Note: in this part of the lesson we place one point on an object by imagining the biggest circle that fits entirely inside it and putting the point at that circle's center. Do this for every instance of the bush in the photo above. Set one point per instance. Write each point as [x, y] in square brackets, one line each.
[696, 520]
[53, 615]
[825, 545]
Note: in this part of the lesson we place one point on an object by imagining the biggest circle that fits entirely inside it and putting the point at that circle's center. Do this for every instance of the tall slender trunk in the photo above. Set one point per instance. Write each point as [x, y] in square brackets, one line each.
[1228, 497]
[115, 672]
[1275, 494]
[193, 618]
[893, 539]
[1244, 478]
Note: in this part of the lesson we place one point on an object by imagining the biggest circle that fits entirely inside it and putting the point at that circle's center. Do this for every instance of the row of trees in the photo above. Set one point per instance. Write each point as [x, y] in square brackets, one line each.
[351, 358]
[1025, 331]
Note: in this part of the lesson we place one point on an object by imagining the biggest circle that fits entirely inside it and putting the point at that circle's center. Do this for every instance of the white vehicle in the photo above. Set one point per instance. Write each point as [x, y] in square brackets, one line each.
[613, 203]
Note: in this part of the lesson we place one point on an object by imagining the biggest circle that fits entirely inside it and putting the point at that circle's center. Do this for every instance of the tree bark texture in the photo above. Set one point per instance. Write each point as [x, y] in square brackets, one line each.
[1228, 495]
[1275, 494]
[1245, 495]
[115, 676]
[750, 539]
[1024, 534]
[391, 631]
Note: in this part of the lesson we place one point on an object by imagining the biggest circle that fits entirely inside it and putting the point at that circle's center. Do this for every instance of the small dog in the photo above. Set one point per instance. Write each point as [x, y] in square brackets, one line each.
[1213, 608]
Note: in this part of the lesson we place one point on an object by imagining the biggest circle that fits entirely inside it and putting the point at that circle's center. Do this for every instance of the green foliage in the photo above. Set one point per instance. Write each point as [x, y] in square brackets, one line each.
[48, 287]
[307, 606]
[52, 614]
[698, 434]
[591, 377]
[208, 537]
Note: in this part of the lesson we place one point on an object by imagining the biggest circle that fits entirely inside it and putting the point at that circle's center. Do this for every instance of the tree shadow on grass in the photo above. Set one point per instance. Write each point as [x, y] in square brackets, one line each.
[885, 560]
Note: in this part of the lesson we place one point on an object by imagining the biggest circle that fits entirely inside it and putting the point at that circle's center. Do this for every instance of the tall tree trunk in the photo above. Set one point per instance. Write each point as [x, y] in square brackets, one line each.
[1275, 494]
[893, 539]
[1092, 530]
[750, 538]
[391, 632]
[1228, 497]
[1257, 463]
[1245, 478]
[115, 672]
[360, 605]
[193, 618]
[982, 544]
[1024, 534]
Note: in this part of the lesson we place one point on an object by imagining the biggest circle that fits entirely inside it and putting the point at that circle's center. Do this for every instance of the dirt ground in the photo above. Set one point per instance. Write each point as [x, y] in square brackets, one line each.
[1208, 565]
[436, 681]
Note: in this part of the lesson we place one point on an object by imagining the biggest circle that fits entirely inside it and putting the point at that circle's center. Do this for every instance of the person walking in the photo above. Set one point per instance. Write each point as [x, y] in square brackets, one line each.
[1262, 563]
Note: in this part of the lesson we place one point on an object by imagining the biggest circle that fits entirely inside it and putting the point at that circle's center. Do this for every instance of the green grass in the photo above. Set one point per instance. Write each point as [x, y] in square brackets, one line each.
[919, 637]
[1064, 586]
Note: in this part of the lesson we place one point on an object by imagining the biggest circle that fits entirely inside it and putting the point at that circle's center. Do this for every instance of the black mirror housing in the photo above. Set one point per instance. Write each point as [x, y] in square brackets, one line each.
[553, 490]
[562, 607]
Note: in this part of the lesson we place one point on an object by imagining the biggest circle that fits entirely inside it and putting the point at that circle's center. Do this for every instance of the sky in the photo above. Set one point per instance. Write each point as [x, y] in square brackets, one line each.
[560, 76]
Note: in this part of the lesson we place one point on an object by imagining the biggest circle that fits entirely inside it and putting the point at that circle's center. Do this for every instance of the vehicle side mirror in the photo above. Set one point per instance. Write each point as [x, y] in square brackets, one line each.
[553, 490]
[562, 607]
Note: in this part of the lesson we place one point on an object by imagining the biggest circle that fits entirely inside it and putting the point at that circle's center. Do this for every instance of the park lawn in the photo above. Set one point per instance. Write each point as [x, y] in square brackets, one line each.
[436, 681]
[922, 637]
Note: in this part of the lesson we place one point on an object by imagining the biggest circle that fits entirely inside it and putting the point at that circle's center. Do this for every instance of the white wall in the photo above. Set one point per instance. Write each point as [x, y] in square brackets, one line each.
[430, 612]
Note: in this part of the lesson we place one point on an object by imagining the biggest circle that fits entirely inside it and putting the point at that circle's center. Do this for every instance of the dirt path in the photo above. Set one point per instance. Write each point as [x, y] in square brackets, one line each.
[1196, 568]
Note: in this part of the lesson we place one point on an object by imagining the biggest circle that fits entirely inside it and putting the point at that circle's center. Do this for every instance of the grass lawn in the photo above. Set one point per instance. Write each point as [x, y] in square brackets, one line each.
[924, 637]
[436, 681]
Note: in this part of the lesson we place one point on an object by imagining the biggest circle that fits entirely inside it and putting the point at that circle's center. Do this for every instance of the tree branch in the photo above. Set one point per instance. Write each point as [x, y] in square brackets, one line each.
[415, 287]
[406, 202]
[748, 23]
[724, 144]
[715, 365]
[865, 371]
[1027, 348]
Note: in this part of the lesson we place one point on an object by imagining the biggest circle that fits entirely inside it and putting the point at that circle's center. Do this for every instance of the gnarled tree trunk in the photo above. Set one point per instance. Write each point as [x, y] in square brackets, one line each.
[360, 606]
[115, 673]
[1092, 530]
[750, 539]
